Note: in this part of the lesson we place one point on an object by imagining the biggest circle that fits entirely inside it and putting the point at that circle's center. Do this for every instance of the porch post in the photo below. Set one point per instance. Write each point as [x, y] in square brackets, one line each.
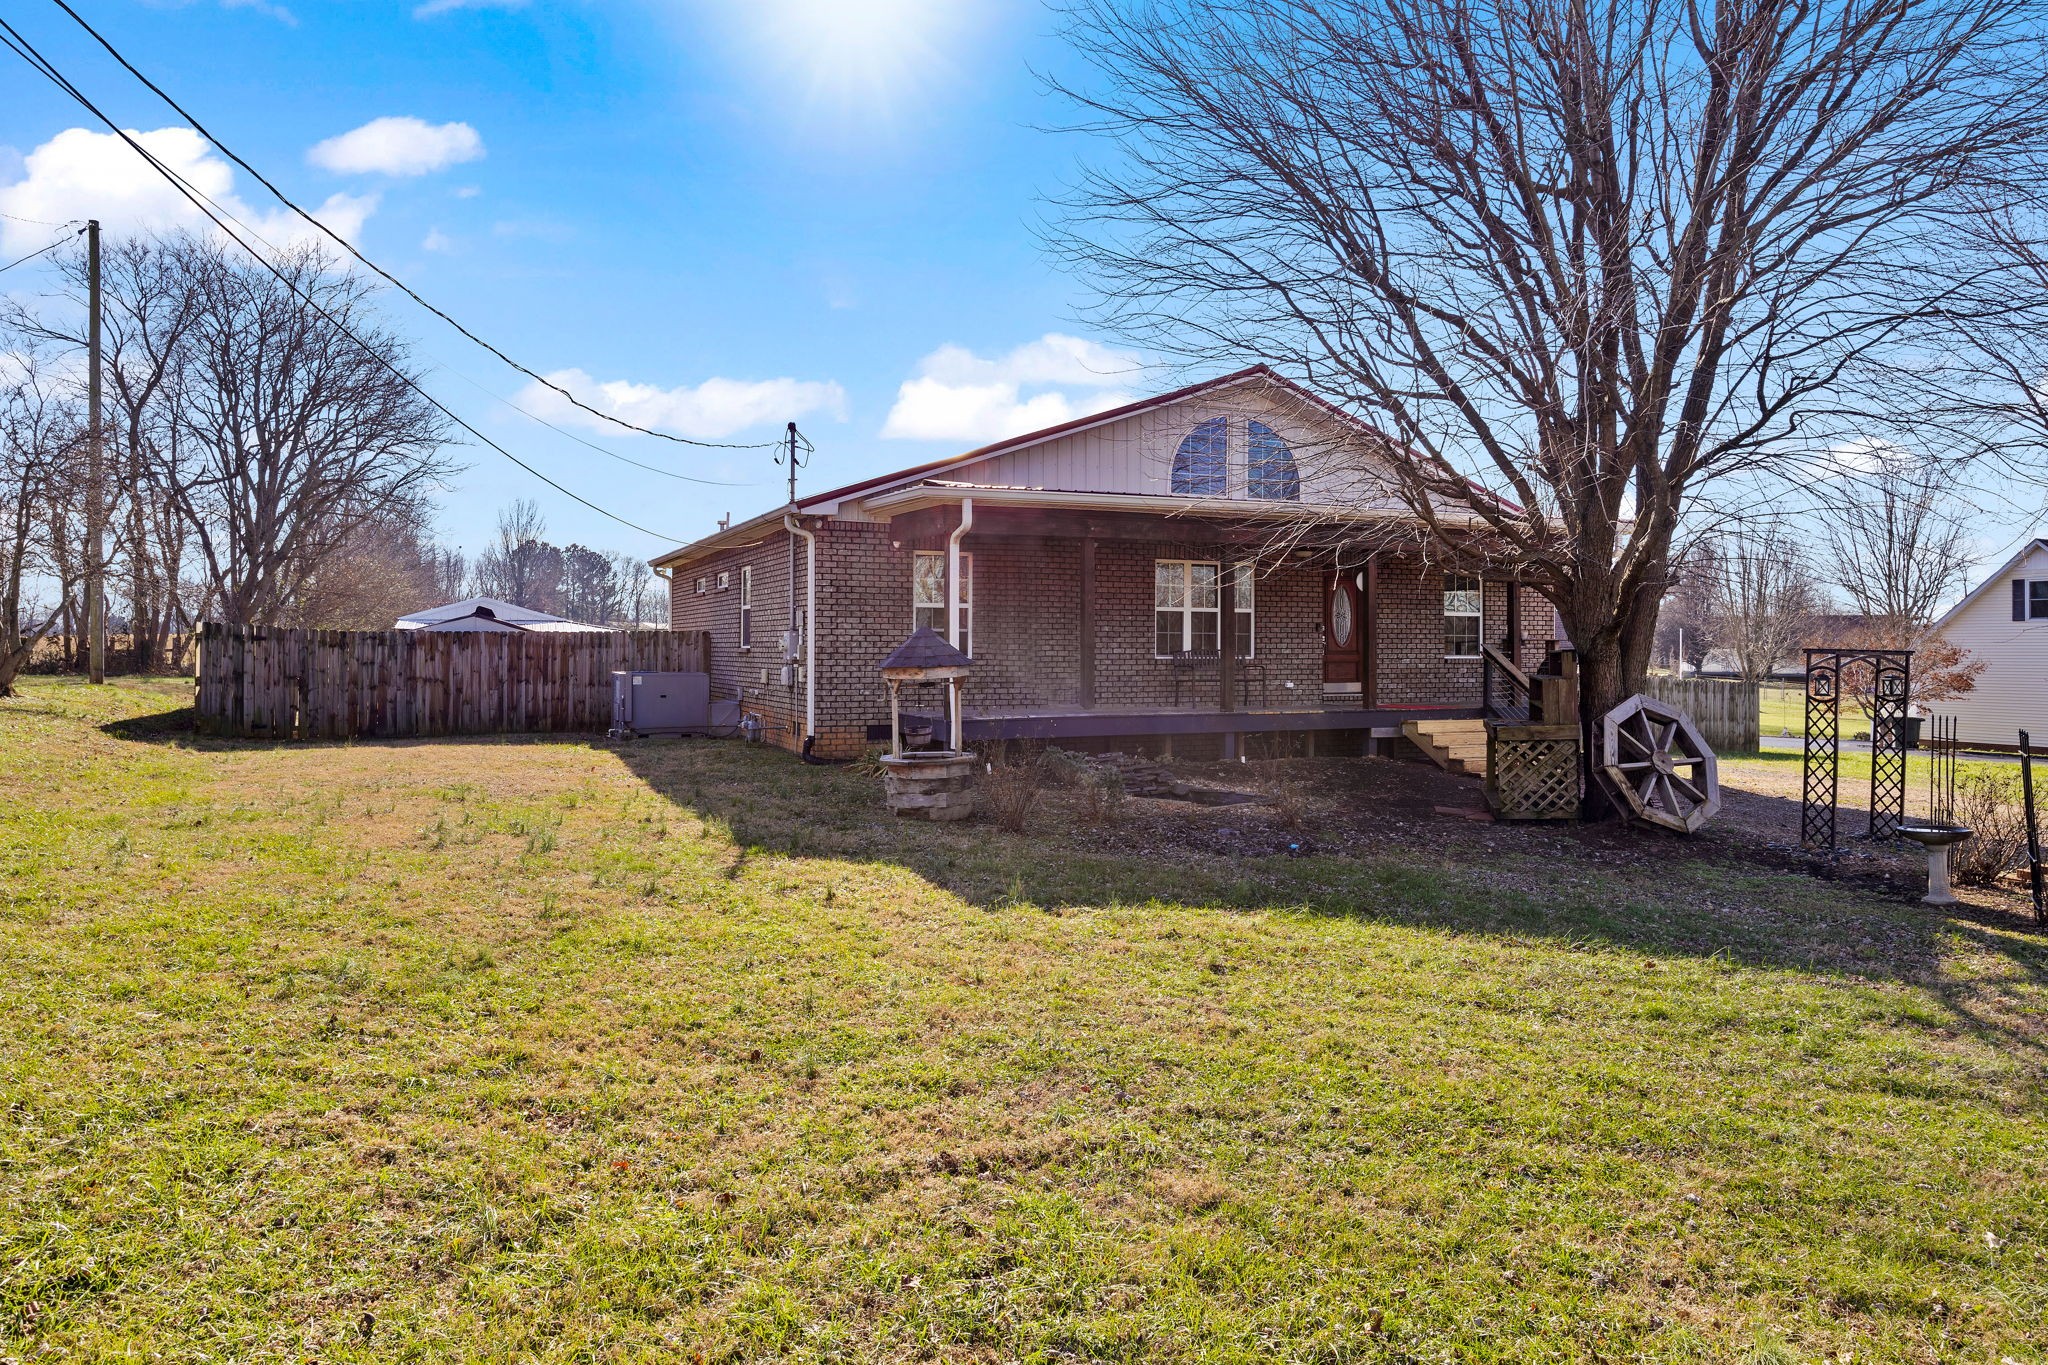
[1088, 623]
[1369, 693]
[1226, 631]
[1514, 640]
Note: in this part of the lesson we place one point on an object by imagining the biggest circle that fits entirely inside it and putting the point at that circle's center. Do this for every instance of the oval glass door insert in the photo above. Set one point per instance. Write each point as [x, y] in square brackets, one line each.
[1340, 616]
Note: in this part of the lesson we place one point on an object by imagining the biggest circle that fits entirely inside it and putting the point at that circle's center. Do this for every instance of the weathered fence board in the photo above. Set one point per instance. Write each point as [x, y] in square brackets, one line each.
[394, 684]
[1726, 712]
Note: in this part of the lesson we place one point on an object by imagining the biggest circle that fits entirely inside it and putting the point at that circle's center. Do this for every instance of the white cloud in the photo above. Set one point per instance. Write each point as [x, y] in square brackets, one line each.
[708, 411]
[466, 191]
[959, 396]
[398, 146]
[437, 240]
[79, 174]
[435, 7]
[264, 7]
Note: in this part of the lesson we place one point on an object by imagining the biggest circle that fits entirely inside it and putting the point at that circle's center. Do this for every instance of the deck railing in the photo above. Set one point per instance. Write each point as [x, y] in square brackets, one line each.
[1503, 687]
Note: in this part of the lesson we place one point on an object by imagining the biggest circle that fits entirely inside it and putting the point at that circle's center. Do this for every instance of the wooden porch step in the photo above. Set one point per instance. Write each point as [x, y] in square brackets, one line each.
[1456, 746]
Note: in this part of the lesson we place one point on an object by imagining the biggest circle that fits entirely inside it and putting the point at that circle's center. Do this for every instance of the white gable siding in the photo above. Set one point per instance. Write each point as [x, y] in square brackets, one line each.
[1135, 454]
[2012, 693]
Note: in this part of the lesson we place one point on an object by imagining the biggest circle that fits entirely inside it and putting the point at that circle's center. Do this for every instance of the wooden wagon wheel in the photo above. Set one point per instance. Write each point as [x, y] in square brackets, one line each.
[1658, 764]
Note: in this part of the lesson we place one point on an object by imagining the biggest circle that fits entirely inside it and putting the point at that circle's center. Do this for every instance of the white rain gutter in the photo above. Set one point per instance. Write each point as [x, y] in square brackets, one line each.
[953, 571]
[810, 626]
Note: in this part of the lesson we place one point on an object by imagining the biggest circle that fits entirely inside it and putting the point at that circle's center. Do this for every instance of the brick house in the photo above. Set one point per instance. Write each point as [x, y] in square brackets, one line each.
[1197, 567]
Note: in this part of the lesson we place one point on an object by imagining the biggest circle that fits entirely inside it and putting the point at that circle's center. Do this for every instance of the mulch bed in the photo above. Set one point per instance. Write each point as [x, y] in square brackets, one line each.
[1393, 807]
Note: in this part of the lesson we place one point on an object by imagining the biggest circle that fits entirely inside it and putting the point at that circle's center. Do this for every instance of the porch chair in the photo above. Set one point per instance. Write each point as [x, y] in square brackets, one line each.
[1196, 665]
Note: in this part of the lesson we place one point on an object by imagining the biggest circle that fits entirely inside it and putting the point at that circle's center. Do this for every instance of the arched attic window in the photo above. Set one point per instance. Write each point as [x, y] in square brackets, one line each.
[1269, 470]
[1201, 467]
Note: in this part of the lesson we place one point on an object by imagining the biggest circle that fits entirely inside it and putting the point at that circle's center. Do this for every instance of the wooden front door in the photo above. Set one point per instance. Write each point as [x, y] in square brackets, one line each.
[1343, 629]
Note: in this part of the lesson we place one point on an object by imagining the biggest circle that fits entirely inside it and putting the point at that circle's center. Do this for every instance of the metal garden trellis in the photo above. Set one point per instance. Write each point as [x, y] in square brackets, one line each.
[1827, 676]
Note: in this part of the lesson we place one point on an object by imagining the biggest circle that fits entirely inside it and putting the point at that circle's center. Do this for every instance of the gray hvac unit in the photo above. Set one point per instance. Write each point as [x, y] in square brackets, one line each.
[660, 704]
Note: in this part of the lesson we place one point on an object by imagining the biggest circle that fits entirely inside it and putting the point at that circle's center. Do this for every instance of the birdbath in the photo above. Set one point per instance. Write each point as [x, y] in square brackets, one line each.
[1937, 840]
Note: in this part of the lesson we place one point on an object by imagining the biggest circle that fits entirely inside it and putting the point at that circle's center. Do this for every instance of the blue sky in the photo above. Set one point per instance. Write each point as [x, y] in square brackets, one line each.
[708, 215]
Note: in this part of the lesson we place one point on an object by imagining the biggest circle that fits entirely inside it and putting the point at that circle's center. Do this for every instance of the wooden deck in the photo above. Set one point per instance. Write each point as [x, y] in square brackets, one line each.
[1133, 722]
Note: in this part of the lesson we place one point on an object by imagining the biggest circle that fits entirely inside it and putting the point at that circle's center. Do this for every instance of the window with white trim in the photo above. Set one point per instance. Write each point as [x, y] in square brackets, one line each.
[2036, 606]
[703, 585]
[928, 595]
[1187, 607]
[746, 606]
[1464, 599]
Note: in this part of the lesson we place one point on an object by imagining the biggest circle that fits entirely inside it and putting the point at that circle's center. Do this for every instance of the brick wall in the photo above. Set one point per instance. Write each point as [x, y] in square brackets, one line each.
[1027, 618]
[736, 673]
[1287, 607]
[1410, 616]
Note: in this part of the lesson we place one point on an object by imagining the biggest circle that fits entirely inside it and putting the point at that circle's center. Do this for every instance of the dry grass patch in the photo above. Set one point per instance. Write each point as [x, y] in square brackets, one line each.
[1188, 1191]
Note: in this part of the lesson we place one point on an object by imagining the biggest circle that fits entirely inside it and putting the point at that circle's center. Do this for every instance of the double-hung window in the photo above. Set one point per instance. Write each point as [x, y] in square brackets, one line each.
[1187, 607]
[747, 606]
[2030, 600]
[1463, 599]
[928, 595]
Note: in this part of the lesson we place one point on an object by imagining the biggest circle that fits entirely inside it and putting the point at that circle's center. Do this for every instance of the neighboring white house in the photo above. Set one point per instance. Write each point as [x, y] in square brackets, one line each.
[488, 614]
[2004, 622]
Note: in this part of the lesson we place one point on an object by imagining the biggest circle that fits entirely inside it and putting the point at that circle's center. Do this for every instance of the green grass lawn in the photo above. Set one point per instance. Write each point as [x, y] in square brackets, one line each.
[1852, 769]
[1781, 710]
[555, 1051]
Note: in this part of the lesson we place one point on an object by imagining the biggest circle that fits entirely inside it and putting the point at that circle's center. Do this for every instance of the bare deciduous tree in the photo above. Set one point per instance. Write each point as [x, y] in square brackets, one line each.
[41, 444]
[1685, 626]
[520, 566]
[591, 586]
[1591, 269]
[1763, 599]
[262, 428]
[1900, 548]
[296, 426]
[385, 569]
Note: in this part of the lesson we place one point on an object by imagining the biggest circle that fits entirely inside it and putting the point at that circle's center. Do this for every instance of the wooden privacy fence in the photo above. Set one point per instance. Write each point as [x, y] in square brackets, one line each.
[1726, 712]
[397, 684]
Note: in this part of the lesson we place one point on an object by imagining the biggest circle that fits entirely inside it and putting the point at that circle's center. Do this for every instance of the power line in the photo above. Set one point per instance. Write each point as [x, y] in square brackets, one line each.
[22, 48]
[393, 280]
[39, 250]
[36, 222]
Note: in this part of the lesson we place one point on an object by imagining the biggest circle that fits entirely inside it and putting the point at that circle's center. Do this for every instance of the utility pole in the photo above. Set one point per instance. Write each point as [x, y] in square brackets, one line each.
[95, 486]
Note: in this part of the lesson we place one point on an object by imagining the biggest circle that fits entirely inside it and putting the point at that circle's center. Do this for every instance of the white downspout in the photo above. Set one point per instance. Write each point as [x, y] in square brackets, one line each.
[810, 624]
[953, 571]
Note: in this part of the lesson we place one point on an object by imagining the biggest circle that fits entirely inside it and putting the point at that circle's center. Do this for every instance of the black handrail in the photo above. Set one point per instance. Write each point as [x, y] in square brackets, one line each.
[1514, 687]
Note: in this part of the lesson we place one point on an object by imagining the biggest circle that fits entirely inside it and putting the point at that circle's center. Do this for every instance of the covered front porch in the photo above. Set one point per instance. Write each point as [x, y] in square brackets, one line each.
[1099, 626]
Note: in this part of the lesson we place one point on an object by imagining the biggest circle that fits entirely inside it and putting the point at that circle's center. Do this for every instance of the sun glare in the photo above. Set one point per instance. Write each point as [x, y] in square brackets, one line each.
[858, 57]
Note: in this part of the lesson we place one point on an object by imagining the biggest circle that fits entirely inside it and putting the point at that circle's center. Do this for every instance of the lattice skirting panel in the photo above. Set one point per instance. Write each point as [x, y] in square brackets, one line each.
[1532, 771]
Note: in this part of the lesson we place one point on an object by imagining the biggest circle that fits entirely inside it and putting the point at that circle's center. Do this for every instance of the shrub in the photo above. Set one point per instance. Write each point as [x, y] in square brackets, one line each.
[1010, 787]
[1102, 795]
[1289, 803]
[1989, 803]
[1064, 768]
